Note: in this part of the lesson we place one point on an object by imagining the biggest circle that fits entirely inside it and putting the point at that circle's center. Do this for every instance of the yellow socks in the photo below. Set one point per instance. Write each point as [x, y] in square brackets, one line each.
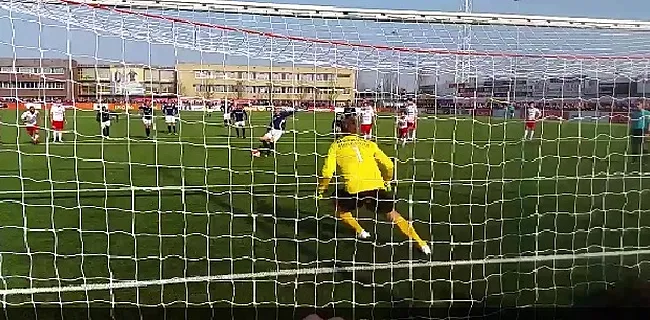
[404, 226]
[351, 221]
[408, 230]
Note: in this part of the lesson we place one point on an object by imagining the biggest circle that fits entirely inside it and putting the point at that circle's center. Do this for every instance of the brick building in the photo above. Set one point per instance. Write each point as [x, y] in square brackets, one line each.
[37, 79]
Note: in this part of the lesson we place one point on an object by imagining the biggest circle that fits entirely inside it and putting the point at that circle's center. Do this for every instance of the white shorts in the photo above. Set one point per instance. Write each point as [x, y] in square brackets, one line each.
[226, 116]
[240, 124]
[146, 122]
[273, 135]
[170, 119]
[106, 124]
[209, 110]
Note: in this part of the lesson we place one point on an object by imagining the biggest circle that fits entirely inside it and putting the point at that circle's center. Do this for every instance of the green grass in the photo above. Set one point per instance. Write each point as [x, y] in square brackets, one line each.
[66, 217]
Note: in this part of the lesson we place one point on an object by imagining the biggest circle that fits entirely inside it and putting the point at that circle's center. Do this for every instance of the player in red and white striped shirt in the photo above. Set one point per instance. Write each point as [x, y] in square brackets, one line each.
[30, 120]
[532, 115]
[367, 120]
[58, 120]
[411, 112]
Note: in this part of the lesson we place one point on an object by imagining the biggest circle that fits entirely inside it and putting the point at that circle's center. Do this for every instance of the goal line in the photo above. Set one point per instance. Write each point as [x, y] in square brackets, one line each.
[317, 271]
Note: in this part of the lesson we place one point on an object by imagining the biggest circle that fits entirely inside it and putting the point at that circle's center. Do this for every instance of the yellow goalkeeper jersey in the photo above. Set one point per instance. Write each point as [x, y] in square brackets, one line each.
[360, 163]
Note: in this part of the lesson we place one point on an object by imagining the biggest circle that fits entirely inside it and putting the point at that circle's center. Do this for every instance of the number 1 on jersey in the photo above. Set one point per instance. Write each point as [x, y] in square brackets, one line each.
[356, 150]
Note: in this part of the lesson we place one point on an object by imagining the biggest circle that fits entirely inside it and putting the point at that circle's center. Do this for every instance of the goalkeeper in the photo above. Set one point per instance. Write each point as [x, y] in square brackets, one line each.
[366, 172]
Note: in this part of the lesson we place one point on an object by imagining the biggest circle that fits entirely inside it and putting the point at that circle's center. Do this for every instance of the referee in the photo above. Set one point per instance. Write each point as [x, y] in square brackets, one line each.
[366, 172]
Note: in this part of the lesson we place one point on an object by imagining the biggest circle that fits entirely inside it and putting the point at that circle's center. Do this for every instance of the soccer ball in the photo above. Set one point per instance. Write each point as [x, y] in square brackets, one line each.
[255, 153]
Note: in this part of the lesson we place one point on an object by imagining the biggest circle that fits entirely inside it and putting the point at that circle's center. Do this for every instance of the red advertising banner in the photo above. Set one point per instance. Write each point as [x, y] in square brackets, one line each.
[480, 112]
[617, 117]
[553, 114]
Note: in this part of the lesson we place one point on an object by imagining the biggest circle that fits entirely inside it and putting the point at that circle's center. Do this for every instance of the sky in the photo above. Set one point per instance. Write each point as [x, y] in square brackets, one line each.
[617, 9]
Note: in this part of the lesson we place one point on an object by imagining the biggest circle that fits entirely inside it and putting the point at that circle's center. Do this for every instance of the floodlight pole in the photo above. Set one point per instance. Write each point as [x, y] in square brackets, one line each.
[464, 44]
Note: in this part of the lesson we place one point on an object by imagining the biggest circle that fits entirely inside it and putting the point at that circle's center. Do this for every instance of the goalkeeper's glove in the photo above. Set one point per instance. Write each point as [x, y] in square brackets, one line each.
[319, 194]
[389, 185]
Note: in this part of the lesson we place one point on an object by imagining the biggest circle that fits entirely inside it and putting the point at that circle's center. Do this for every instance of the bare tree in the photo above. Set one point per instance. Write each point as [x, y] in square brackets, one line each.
[239, 89]
[389, 84]
[208, 93]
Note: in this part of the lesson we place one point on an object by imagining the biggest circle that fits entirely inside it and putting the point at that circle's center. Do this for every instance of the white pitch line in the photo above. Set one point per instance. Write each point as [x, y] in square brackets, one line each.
[314, 271]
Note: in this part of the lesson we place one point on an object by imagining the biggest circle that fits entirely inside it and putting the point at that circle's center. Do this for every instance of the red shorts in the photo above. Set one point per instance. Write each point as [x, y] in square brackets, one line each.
[57, 125]
[403, 132]
[410, 125]
[530, 125]
[31, 130]
[365, 128]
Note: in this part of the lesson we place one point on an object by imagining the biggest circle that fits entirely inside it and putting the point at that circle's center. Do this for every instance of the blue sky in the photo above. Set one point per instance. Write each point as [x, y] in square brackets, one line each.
[619, 9]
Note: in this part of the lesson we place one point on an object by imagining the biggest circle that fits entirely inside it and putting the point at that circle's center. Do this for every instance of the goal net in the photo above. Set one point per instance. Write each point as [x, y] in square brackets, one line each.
[187, 216]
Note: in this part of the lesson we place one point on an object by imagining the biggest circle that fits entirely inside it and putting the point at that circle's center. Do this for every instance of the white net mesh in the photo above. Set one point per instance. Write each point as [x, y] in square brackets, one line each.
[191, 220]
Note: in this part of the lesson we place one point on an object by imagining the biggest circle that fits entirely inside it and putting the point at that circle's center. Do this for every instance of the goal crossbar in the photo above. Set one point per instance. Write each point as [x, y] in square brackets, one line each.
[379, 15]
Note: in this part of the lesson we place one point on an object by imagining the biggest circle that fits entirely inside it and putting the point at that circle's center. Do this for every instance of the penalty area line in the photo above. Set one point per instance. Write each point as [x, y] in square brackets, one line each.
[315, 271]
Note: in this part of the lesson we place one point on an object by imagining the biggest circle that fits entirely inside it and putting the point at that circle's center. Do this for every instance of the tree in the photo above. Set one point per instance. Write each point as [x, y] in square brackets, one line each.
[304, 95]
[269, 91]
[209, 87]
[333, 93]
[389, 83]
[240, 90]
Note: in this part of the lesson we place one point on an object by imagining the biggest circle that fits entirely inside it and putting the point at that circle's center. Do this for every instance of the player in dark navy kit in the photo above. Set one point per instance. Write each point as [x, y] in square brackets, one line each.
[276, 129]
[146, 110]
[239, 116]
[338, 122]
[171, 115]
[104, 118]
[349, 110]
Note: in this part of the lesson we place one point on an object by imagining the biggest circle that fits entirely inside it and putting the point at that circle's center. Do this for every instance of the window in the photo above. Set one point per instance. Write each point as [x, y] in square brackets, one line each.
[151, 75]
[343, 75]
[32, 85]
[27, 70]
[322, 77]
[276, 76]
[288, 76]
[208, 74]
[307, 77]
[261, 90]
[87, 74]
[7, 69]
[262, 76]
[167, 76]
[104, 74]
[151, 88]
[167, 88]
[54, 70]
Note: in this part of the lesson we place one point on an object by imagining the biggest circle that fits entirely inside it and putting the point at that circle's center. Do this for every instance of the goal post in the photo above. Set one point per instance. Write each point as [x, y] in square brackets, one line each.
[521, 206]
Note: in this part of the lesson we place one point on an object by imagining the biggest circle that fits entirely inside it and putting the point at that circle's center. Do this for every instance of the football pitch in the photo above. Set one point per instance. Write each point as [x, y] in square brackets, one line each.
[89, 211]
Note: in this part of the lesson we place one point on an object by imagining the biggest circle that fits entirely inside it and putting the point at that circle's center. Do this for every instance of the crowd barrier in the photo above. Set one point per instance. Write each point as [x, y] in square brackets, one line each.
[549, 114]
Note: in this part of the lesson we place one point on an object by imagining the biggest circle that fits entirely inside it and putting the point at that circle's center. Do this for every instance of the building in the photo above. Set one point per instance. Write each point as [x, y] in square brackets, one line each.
[119, 81]
[264, 83]
[505, 89]
[37, 79]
